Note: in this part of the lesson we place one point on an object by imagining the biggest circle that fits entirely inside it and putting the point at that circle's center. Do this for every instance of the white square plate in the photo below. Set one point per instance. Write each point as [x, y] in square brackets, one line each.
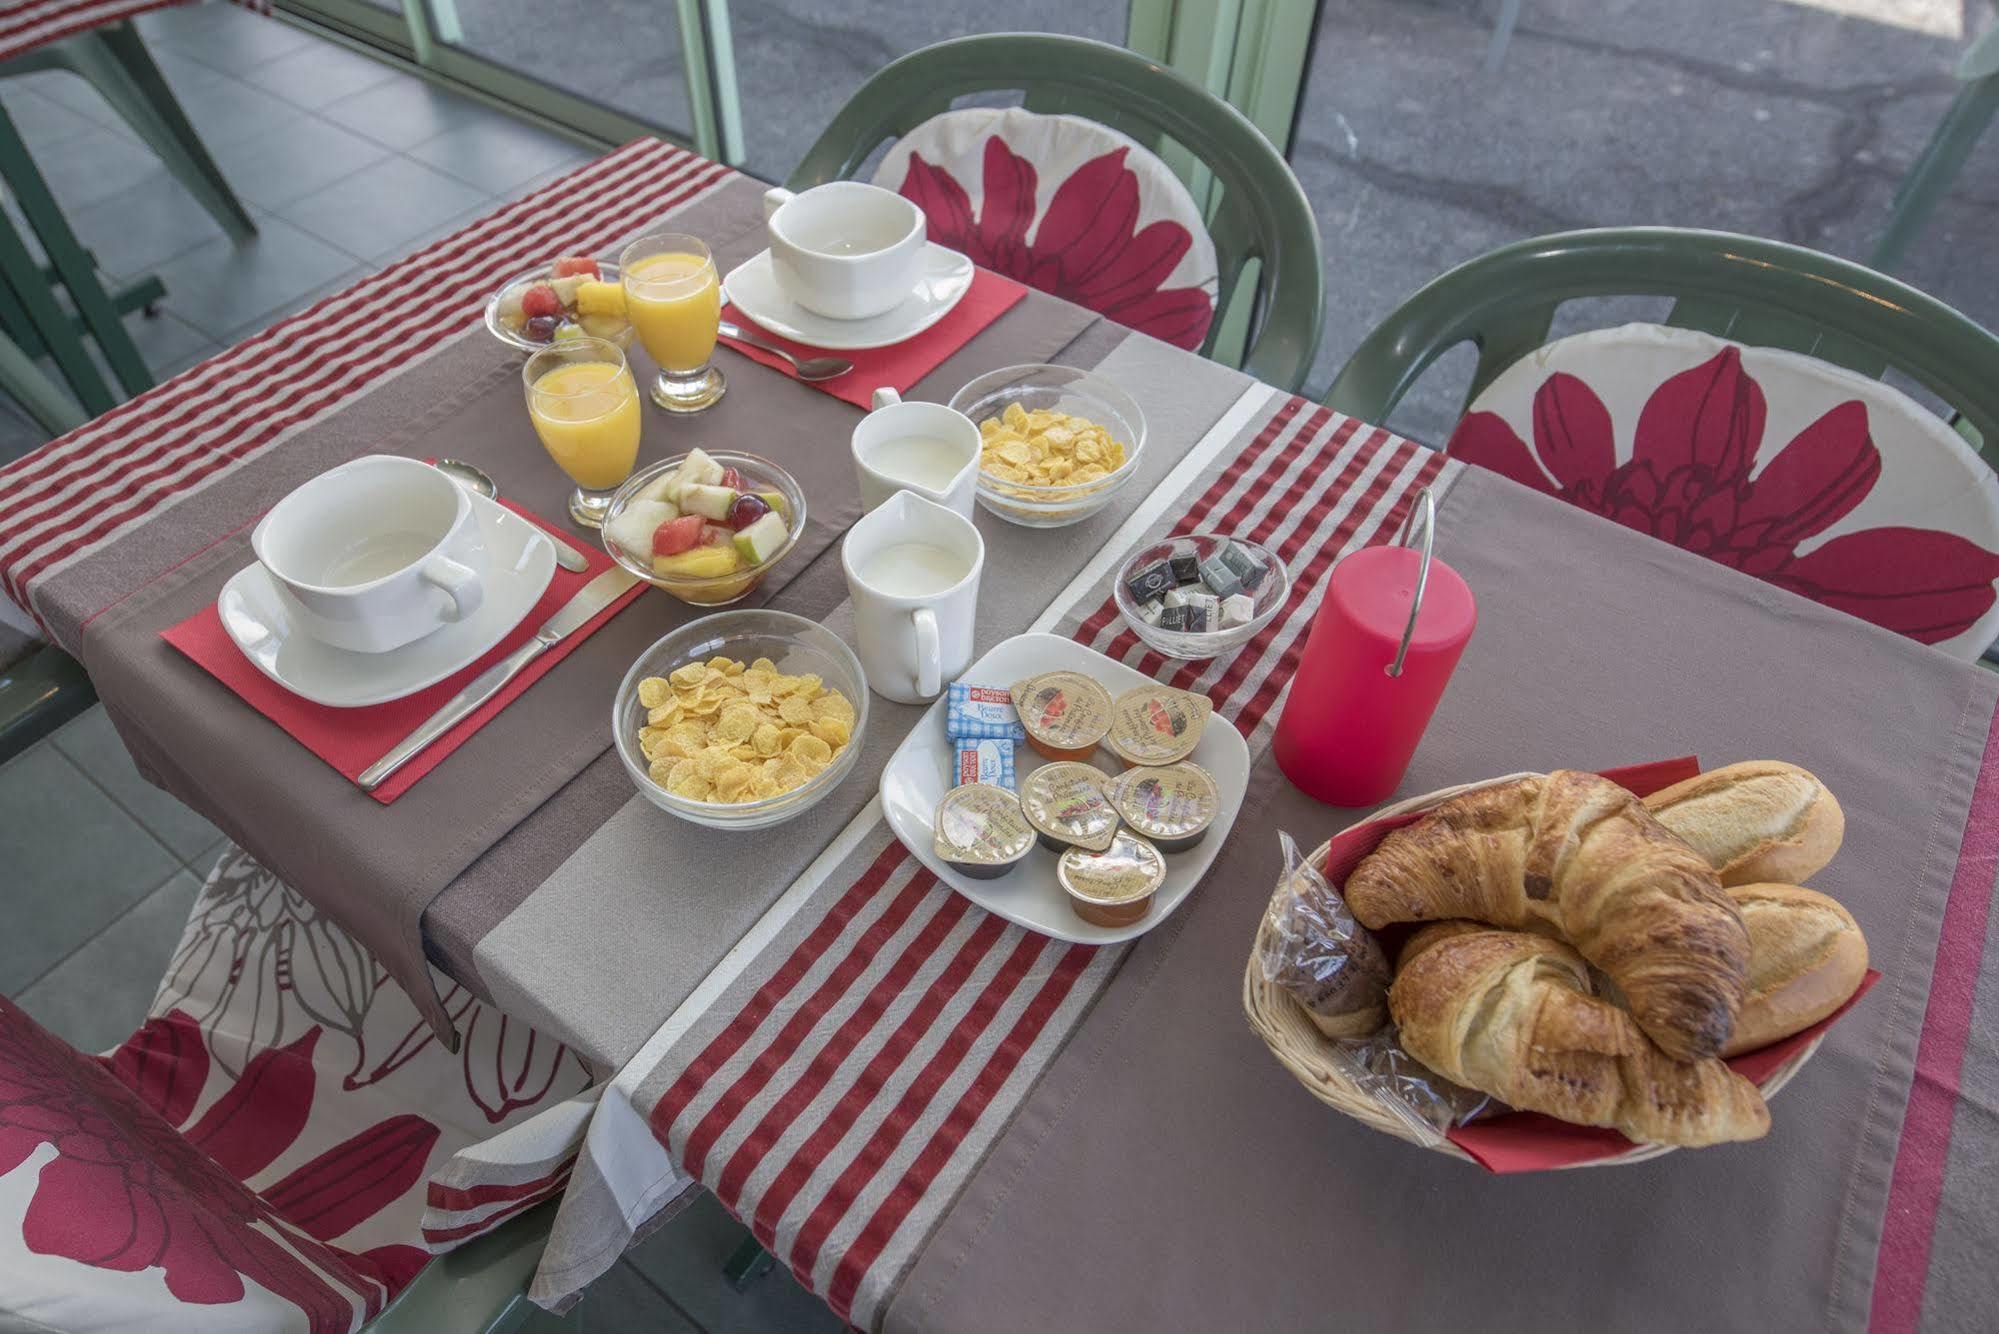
[922, 769]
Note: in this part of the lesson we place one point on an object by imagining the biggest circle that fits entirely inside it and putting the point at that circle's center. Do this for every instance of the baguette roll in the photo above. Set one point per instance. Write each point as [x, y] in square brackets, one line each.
[1761, 821]
[1806, 956]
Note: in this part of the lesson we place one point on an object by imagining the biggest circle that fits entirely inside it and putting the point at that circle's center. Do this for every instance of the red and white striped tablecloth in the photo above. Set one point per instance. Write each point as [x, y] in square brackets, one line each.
[105, 481]
[841, 1087]
[25, 26]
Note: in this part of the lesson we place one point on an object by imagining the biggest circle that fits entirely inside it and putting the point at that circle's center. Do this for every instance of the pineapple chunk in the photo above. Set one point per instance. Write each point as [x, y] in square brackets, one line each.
[600, 298]
[698, 563]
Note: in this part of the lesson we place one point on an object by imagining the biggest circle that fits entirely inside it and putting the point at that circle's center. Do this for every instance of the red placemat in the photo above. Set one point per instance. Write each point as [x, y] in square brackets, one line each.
[901, 366]
[352, 739]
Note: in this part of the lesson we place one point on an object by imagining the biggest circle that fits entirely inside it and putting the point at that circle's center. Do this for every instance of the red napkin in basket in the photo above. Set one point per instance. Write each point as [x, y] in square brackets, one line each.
[1529, 1141]
[901, 366]
[352, 739]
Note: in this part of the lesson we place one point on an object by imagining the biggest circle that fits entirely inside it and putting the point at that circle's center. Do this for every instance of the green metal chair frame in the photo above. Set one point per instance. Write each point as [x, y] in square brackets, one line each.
[1259, 214]
[1929, 180]
[114, 60]
[1744, 288]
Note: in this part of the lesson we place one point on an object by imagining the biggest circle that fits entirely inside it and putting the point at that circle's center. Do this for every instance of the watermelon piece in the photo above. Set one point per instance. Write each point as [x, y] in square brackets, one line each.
[677, 535]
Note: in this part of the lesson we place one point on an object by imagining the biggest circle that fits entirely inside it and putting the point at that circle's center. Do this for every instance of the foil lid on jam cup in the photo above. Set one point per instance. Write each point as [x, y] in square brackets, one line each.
[1156, 724]
[1065, 714]
[1068, 805]
[1113, 887]
[1172, 806]
[981, 831]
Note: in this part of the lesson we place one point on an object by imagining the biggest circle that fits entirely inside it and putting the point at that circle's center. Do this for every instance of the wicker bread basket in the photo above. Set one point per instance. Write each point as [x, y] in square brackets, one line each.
[1307, 1053]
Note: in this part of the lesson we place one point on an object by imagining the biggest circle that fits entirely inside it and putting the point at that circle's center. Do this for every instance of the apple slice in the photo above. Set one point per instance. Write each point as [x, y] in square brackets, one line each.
[710, 502]
[761, 540]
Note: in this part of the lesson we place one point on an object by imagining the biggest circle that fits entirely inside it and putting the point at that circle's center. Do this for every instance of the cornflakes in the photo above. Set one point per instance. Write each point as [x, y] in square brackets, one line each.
[723, 731]
[1046, 448]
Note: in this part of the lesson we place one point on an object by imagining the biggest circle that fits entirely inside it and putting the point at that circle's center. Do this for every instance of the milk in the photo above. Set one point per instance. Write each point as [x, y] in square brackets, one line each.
[913, 569]
[919, 462]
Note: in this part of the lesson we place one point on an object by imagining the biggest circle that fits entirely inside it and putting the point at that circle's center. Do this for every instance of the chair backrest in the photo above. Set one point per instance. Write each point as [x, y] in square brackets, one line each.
[1259, 213]
[1753, 291]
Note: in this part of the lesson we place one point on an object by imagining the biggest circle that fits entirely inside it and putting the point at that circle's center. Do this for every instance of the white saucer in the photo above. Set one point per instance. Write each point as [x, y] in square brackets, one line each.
[752, 289]
[520, 560]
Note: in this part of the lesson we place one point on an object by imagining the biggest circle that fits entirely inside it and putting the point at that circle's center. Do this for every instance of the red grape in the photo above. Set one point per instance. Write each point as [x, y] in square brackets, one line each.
[731, 479]
[747, 510]
[541, 328]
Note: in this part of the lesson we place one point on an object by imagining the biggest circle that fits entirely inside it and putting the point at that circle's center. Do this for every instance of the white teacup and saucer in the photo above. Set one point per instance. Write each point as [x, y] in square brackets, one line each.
[848, 269]
[379, 578]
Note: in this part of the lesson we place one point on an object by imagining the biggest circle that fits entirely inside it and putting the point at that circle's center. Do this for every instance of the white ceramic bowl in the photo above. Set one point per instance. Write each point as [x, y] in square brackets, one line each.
[797, 646]
[606, 270]
[717, 590]
[1065, 389]
[1207, 643]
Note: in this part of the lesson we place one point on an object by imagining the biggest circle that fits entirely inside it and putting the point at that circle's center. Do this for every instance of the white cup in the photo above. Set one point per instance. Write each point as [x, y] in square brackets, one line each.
[926, 448]
[913, 573]
[846, 250]
[374, 554]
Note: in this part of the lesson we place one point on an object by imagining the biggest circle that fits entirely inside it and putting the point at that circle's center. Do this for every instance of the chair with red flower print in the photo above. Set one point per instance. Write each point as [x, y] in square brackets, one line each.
[1752, 427]
[1070, 193]
[255, 1157]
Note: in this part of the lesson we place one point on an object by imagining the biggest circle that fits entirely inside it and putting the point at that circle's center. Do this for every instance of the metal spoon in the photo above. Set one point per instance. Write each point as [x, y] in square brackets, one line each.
[476, 480]
[812, 369]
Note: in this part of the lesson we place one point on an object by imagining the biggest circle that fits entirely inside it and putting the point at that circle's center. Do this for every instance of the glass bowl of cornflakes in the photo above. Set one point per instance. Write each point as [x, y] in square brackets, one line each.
[743, 719]
[1056, 442]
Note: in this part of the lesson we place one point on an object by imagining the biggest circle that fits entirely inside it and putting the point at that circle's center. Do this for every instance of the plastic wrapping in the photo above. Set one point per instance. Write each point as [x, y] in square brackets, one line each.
[1338, 972]
[1317, 951]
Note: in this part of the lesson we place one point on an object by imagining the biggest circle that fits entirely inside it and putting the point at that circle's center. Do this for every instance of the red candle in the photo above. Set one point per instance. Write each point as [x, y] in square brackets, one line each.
[1349, 727]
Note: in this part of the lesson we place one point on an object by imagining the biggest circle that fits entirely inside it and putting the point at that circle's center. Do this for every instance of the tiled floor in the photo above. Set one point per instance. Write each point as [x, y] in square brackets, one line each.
[347, 164]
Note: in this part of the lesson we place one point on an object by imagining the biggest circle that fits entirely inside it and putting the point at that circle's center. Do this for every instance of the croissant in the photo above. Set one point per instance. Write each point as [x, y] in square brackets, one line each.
[1577, 855]
[1510, 1014]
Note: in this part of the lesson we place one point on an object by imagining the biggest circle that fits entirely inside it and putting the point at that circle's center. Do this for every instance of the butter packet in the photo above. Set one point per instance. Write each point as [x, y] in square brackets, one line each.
[985, 760]
[981, 711]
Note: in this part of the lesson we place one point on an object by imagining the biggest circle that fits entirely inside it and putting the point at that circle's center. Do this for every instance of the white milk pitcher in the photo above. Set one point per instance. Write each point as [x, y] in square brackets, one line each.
[922, 447]
[913, 571]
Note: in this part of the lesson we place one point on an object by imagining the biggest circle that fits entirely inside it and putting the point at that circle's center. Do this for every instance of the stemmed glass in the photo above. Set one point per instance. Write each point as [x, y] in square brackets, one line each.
[674, 301]
[585, 407]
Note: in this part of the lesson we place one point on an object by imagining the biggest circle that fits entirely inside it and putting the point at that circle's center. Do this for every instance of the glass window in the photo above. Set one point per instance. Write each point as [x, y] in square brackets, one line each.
[797, 62]
[622, 54]
[1423, 142]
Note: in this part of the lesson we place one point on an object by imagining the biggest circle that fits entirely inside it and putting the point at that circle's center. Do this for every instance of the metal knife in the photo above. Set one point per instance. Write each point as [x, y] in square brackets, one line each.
[592, 598]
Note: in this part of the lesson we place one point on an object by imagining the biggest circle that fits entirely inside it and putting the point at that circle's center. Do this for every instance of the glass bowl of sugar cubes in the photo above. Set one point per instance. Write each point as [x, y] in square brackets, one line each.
[1201, 595]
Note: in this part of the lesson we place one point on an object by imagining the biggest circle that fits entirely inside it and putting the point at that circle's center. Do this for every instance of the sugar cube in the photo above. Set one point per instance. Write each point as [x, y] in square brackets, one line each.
[1173, 618]
[1175, 597]
[1148, 583]
[1198, 621]
[1150, 611]
[1186, 568]
[1238, 610]
[1221, 580]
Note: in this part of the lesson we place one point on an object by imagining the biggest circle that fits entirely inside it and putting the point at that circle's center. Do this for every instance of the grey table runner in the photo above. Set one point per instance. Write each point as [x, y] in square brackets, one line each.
[1167, 1174]
[639, 914]
[377, 868]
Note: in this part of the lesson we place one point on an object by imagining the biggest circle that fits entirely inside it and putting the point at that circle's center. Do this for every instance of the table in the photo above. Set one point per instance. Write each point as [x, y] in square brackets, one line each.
[885, 1082]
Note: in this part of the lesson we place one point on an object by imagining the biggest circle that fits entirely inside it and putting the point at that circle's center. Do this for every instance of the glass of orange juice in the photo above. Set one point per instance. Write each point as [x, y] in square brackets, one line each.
[674, 301]
[585, 408]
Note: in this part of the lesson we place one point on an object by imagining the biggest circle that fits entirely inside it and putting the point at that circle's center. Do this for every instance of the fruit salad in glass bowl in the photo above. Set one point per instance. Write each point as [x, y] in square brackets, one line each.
[705, 527]
[575, 297]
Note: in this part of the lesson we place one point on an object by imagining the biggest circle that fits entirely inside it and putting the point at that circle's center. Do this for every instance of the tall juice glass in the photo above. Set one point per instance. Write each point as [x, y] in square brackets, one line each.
[674, 301]
[585, 407]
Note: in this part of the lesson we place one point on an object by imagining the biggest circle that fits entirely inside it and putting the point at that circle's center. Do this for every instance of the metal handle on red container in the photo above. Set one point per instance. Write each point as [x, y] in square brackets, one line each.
[1427, 507]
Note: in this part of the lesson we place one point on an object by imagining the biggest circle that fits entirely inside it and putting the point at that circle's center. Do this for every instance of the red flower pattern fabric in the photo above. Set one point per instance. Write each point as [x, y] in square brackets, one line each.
[1118, 233]
[263, 1142]
[1692, 480]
